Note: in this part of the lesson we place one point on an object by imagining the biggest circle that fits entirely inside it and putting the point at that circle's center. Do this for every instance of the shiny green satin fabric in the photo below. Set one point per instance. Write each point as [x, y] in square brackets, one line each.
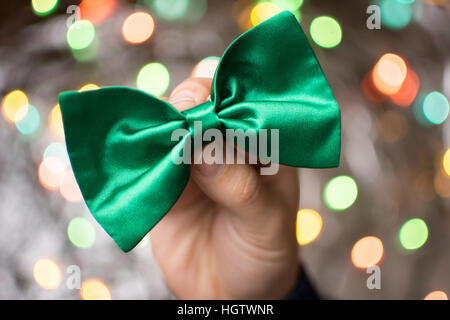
[119, 139]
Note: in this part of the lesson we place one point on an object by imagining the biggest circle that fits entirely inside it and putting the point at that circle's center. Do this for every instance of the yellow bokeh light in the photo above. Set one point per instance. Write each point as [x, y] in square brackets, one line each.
[55, 121]
[12, 102]
[367, 252]
[442, 184]
[88, 87]
[446, 162]
[93, 289]
[138, 27]
[47, 274]
[436, 295]
[309, 225]
[263, 11]
[389, 73]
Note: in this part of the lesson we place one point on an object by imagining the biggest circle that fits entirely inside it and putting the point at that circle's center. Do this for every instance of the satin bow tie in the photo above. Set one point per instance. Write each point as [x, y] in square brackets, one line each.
[119, 139]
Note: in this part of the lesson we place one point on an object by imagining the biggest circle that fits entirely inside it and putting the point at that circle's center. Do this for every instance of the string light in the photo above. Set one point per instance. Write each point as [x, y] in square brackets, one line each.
[11, 103]
[47, 274]
[81, 233]
[309, 225]
[138, 27]
[27, 120]
[96, 11]
[389, 73]
[435, 107]
[43, 7]
[326, 32]
[93, 289]
[206, 68]
[153, 78]
[340, 193]
[367, 252]
[80, 34]
[413, 234]
[263, 11]
[436, 295]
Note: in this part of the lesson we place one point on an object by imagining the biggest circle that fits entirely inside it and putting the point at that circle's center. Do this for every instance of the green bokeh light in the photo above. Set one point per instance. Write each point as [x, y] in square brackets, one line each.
[340, 193]
[58, 150]
[291, 5]
[189, 11]
[394, 14]
[43, 7]
[435, 107]
[153, 78]
[413, 234]
[326, 32]
[81, 233]
[80, 35]
[30, 122]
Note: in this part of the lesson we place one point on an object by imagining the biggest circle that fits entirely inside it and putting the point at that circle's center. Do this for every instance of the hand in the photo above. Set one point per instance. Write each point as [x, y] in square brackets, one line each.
[231, 234]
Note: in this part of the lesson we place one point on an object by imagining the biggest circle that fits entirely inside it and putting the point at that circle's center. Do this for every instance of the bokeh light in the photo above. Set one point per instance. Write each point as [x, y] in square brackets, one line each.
[186, 11]
[89, 87]
[263, 11]
[395, 15]
[93, 289]
[153, 78]
[96, 11]
[68, 187]
[206, 68]
[27, 120]
[291, 5]
[12, 102]
[57, 150]
[413, 234]
[55, 121]
[389, 73]
[81, 233]
[442, 184]
[326, 32]
[138, 27]
[80, 34]
[309, 225]
[405, 96]
[43, 7]
[47, 274]
[435, 107]
[340, 193]
[367, 252]
[436, 295]
[50, 172]
[446, 162]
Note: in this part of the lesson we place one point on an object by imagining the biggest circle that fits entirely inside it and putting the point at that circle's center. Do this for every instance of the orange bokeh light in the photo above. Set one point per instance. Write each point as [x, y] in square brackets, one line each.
[138, 27]
[68, 187]
[389, 73]
[436, 295]
[97, 11]
[50, 172]
[367, 252]
[408, 91]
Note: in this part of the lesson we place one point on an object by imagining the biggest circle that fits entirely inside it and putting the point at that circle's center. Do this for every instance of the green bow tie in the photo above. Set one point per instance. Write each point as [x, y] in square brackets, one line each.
[119, 139]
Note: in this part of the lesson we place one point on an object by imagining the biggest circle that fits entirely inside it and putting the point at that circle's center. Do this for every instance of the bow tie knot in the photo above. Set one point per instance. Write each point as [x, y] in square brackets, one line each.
[205, 114]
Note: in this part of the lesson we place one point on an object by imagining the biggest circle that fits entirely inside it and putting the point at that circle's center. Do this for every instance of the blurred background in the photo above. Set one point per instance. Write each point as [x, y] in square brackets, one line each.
[387, 205]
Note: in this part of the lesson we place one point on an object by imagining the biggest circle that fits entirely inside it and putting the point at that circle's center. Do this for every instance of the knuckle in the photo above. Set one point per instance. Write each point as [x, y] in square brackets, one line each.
[245, 190]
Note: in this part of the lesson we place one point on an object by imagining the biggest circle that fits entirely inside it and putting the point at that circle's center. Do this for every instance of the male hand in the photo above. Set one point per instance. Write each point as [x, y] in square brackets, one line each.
[231, 234]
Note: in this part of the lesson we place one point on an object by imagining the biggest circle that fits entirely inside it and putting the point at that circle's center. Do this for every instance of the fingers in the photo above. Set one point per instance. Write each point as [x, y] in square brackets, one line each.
[190, 93]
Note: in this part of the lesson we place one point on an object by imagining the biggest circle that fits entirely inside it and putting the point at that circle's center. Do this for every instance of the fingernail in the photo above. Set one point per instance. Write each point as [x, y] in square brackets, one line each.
[183, 100]
[209, 170]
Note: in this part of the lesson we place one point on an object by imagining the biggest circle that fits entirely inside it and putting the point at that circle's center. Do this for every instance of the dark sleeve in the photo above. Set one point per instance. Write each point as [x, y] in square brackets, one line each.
[303, 290]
